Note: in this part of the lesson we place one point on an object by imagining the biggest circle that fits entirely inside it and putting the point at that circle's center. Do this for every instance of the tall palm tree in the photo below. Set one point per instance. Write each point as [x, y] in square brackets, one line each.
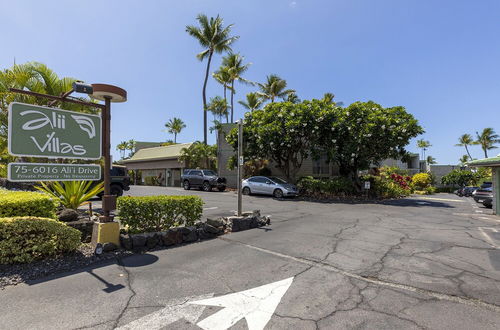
[235, 68]
[424, 145]
[218, 107]
[223, 77]
[122, 147]
[293, 97]
[253, 102]
[431, 160]
[487, 139]
[328, 98]
[464, 159]
[214, 38]
[174, 126]
[465, 140]
[273, 88]
[131, 147]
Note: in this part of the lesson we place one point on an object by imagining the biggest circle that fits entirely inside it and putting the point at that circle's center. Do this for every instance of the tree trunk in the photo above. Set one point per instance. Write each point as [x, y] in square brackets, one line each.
[468, 153]
[232, 101]
[175, 137]
[205, 98]
[225, 102]
[485, 152]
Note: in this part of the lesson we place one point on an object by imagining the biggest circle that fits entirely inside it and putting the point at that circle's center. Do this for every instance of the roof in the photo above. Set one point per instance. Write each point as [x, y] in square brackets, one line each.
[158, 153]
[492, 161]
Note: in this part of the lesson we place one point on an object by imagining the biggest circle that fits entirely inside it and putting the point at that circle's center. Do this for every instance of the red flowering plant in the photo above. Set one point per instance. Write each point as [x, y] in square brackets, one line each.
[403, 182]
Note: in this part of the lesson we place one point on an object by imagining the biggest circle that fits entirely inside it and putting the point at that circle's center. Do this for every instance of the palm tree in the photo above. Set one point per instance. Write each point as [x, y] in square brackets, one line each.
[235, 67]
[214, 38]
[293, 97]
[122, 147]
[174, 126]
[274, 87]
[424, 145]
[223, 77]
[464, 159]
[253, 102]
[328, 98]
[431, 160]
[218, 107]
[131, 147]
[465, 140]
[487, 139]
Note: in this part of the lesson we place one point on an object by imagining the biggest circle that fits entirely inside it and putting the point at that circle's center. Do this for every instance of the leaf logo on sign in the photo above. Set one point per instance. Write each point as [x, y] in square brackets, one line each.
[86, 124]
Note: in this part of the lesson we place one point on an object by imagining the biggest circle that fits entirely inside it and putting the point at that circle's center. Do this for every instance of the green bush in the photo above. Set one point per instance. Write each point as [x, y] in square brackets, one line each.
[421, 181]
[383, 187]
[337, 186]
[151, 181]
[158, 213]
[25, 239]
[27, 203]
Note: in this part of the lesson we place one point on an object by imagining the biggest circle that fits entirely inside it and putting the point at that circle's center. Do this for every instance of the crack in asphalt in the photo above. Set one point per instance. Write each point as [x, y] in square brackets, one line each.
[374, 280]
[129, 286]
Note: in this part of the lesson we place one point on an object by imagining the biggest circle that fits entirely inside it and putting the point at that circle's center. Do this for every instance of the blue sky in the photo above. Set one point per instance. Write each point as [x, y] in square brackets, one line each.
[439, 59]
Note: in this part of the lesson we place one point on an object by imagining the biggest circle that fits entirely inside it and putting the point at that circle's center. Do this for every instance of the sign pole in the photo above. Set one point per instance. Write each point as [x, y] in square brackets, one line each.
[240, 164]
[106, 134]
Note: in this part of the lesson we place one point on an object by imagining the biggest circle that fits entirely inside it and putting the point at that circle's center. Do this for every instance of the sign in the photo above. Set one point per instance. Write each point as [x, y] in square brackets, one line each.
[53, 172]
[36, 131]
[367, 185]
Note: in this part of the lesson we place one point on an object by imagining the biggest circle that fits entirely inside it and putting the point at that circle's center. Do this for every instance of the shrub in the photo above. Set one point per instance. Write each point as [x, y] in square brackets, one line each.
[27, 203]
[337, 186]
[25, 239]
[421, 181]
[158, 213]
[388, 188]
[151, 181]
[72, 193]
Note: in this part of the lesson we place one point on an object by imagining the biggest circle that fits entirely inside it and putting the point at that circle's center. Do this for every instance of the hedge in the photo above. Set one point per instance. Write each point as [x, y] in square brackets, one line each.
[25, 239]
[158, 213]
[27, 203]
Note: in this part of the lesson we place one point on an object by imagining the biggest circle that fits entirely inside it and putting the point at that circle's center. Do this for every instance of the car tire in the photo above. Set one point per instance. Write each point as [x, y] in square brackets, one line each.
[278, 193]
[206, 186]
[116, 190]
[246, 191]
[186, 185]
[221, 189]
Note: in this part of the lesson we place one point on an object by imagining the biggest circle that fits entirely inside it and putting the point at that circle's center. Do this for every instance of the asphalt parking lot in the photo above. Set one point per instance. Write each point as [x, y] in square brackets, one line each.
[430, 262]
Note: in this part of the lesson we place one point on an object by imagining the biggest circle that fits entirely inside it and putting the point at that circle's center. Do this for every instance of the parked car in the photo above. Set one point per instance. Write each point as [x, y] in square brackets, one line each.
[467, 191]
[204, 179]
[120, 181]
[484, 196]
[268, 185]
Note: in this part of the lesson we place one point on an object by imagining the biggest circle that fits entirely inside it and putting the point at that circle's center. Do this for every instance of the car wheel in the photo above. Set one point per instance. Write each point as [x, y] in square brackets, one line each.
[186, 185]
[278, 193]
[221, 189]
[206, 186]
[116, 190]
[246, 191]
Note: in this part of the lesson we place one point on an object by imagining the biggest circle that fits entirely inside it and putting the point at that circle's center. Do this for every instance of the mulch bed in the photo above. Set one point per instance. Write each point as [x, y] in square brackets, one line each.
[84, 256]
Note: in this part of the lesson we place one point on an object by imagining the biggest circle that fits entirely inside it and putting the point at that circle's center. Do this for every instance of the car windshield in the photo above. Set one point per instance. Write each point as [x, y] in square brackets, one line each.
[210, 173]
[277, 180]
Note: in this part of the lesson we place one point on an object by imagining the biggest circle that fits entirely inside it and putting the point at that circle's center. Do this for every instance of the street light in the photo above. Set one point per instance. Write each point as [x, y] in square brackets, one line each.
[108, 94]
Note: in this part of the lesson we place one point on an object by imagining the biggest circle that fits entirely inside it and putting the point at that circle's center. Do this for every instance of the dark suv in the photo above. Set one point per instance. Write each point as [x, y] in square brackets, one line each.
[204, 179]
[120, 180]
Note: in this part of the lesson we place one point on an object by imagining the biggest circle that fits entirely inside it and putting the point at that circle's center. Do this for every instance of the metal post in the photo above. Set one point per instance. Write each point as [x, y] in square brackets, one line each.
[240, 164]
[106, 133]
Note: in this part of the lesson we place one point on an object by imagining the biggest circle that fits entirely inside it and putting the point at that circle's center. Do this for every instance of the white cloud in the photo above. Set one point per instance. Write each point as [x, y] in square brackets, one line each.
[293, 4]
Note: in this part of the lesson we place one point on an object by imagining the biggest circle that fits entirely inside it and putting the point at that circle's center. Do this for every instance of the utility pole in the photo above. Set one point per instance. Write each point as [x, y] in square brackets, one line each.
[240, 164]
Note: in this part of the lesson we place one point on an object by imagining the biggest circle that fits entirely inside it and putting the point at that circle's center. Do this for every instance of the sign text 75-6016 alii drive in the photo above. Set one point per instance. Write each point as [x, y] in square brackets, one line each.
[37, 131]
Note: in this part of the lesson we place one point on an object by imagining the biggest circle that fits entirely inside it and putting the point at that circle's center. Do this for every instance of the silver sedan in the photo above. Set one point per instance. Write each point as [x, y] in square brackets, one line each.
[268, 186]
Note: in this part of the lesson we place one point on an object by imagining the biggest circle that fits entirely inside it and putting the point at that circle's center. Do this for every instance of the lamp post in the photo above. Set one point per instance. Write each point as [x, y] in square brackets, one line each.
[240, 164]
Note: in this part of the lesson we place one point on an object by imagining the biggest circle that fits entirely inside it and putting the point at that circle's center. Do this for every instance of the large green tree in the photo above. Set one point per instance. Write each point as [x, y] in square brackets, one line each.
[214, 38]
[175, 126]
[487, 140]
[235, 67]
[465, 140]
[273, 88]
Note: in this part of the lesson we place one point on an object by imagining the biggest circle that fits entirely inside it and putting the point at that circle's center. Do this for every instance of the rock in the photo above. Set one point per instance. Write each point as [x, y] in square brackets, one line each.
[211, 229]
[240, 223]
[152, 241]
[253, 222]
[189, 234]
[67, 215]
[138, 241]
[85, 227]
[217, 223]
[172, 237]
[108, 247]
[202, 234]
[161, 236]
[126, 241]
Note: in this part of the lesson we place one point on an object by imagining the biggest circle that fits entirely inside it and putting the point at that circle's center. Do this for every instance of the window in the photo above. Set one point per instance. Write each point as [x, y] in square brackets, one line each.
[320, 165]
[277, 180]
[258, 179]
[210, 173]
[195, 173]
[117, 171]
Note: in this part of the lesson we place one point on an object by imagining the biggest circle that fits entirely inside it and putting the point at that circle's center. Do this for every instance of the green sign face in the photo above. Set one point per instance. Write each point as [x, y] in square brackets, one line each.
[36, 131]
[53, 172]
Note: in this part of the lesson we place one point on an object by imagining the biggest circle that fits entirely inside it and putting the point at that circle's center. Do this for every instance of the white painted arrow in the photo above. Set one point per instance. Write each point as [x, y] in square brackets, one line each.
[176, 310]
[256, 305]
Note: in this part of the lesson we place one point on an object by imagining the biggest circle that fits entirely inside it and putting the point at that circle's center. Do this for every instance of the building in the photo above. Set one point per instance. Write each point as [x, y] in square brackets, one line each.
[317, 168]
[494, 163]
[160, 164]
